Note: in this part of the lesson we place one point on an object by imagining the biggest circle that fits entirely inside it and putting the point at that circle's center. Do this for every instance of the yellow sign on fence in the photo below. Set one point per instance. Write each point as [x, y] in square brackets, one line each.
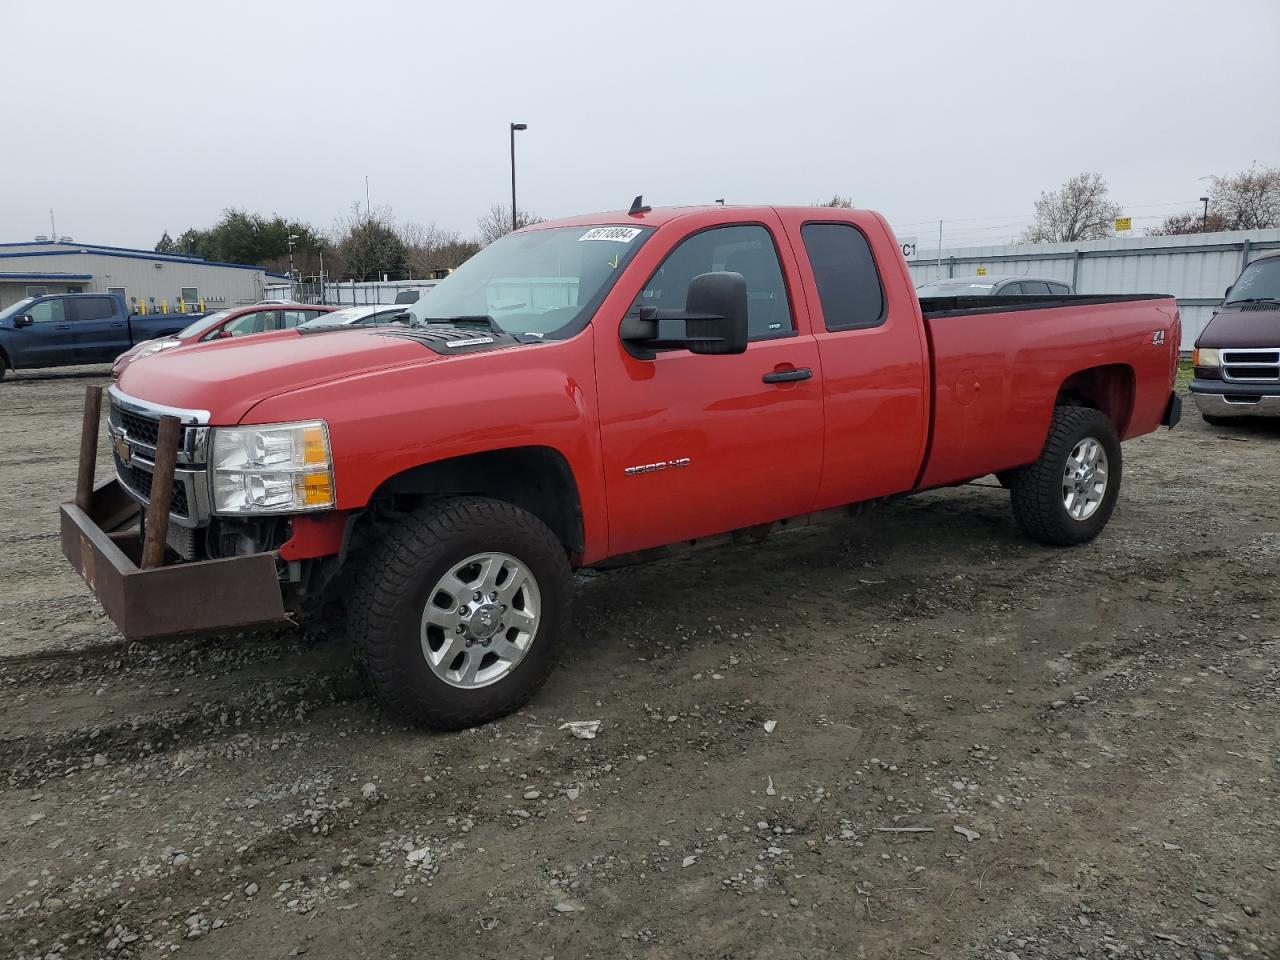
[1124, 223]
[982, 271]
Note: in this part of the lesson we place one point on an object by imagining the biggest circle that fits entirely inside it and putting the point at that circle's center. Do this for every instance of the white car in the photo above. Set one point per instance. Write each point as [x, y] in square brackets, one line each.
[366, 315]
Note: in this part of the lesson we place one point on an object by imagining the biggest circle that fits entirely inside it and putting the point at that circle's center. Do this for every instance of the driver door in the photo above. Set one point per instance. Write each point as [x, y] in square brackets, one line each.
[695, 445]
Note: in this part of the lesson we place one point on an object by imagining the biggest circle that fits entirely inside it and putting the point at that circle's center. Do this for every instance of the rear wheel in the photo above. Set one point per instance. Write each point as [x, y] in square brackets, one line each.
[457, 611]
[1067, 496]
[4, 366]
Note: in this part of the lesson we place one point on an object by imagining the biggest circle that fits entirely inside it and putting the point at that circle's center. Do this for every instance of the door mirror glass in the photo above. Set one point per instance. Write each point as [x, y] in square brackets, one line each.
[22, 320]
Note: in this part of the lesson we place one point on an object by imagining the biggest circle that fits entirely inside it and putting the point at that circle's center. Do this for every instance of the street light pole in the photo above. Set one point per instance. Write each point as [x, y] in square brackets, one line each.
[514, 127]
[293, 274]
[1204, 222]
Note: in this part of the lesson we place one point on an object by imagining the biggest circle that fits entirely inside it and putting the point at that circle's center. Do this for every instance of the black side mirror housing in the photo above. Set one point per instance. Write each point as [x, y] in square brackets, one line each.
[714, 316]
[22, 320]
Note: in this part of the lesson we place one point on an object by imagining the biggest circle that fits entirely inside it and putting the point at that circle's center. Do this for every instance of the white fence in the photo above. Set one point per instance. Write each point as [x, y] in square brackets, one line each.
[351, 292]
[1196, 268]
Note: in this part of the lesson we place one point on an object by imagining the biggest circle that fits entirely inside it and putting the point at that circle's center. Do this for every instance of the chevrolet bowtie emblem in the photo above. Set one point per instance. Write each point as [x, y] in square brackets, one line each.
[123, 450]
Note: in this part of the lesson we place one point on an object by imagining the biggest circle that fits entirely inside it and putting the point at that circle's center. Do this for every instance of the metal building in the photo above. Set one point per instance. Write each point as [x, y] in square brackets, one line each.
[1196, 268]
[142, 277]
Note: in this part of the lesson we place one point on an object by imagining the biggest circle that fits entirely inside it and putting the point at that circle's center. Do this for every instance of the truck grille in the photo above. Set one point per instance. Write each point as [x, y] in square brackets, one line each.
[138, 479]
[138, 428]
[1252, 366]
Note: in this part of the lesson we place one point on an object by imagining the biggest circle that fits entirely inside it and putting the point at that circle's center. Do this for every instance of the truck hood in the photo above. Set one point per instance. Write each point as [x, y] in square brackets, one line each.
[1253, 325]
[228, 377]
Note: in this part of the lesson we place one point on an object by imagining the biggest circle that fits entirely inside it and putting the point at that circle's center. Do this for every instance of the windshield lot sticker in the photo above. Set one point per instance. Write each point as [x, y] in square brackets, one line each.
[616, 234]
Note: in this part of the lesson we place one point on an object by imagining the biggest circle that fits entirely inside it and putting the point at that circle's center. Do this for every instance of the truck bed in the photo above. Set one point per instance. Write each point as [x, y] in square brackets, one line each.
[999, 369]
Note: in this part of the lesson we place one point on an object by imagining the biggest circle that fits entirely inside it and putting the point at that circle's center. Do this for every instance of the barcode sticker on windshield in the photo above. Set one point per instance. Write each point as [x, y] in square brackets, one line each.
[616, 234]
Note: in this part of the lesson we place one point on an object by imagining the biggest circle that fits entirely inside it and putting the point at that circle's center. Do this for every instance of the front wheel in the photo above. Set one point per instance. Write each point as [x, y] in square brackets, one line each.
[458, 610]
[1067, 496]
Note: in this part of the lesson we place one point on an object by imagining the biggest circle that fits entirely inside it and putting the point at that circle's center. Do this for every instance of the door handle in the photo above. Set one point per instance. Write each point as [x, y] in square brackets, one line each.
[118, 323]
[788, 376]
[62, 326]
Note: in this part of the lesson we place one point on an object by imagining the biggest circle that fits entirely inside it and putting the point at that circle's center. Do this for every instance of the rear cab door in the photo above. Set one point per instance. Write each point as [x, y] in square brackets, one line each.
[697, 445]
[872, 349]
[101, 329]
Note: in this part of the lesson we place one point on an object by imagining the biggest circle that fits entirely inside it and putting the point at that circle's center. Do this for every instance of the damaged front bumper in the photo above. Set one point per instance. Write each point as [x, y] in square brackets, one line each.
[104, 545]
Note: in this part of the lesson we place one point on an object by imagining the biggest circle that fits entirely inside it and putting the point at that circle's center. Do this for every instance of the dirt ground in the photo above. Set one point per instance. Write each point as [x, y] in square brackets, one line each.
[983, 748]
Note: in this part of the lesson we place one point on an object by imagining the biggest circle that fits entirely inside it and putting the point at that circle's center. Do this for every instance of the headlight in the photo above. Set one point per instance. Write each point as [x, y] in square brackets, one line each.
[155, 346]
[1205, 357]
[280, 468]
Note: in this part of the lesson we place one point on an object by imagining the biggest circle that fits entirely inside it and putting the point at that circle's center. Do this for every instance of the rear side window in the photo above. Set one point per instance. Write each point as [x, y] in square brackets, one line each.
[845, 272]
[1059, 289]
[746, 249]
[91, 308]
[1035, 288]
[1010, 290]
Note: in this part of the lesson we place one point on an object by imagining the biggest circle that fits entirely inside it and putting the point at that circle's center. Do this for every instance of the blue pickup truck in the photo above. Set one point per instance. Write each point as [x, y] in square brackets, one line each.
[75, 328]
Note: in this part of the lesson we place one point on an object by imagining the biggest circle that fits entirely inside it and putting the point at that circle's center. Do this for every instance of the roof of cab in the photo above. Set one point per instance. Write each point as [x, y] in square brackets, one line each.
[657, 216]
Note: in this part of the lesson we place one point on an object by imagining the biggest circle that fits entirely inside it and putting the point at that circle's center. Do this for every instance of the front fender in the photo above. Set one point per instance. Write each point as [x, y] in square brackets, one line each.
[385, 422]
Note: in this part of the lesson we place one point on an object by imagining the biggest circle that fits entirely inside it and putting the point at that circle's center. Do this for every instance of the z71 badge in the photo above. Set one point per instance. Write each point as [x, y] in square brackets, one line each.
[655, 467]
[1157, 338]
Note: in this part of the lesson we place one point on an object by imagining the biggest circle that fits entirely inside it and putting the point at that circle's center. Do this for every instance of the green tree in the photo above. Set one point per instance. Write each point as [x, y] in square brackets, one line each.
[843, 203]
[251, 238]
[165, 244]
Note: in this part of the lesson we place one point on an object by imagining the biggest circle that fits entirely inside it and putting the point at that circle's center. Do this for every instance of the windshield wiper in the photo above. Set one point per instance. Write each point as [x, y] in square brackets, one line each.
[469, 320]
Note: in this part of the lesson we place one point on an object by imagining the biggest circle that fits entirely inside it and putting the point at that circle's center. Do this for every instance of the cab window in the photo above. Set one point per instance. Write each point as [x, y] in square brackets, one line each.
[47, 311]
[844, 271]
[746, 249]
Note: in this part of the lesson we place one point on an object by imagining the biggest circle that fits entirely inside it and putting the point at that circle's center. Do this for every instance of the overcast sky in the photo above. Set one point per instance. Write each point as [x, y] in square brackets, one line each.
[133, 118]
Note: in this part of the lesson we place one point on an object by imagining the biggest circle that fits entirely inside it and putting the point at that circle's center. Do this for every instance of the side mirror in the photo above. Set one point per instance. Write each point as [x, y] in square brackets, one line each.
[714, 316]
[22, 320]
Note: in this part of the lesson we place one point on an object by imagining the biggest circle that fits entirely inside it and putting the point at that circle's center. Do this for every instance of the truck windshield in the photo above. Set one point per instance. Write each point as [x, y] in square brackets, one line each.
[203, 324]
[16, 309]
[542, 283]
[1260, 280]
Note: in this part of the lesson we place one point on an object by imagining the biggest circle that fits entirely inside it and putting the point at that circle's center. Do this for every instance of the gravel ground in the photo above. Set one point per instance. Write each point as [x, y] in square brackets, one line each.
[911, 735]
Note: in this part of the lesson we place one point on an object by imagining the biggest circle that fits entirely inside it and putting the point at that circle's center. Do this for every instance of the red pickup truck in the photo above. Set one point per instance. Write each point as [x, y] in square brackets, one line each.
[593, 388]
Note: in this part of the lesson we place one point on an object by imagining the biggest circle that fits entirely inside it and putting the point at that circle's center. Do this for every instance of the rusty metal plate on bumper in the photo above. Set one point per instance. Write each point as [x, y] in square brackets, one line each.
[164, 601]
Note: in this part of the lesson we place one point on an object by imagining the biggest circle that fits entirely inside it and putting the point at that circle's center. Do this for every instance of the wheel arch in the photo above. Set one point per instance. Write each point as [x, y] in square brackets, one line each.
[538, 479]
[1109, 388]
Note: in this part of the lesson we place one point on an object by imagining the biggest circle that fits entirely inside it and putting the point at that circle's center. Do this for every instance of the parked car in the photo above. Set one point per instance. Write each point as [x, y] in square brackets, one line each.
[994, 287]
[75, 328]
[236, 322]
[365, 315]
[1237, 355]
[656, 378]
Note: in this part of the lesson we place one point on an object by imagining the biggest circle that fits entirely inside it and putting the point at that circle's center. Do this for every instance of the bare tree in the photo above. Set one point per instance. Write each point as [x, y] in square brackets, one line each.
[843, 203]
[1250, 200]
[1079, 210]
[1193, 221]
[430, 249]
[368, 244]
[497, 222]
